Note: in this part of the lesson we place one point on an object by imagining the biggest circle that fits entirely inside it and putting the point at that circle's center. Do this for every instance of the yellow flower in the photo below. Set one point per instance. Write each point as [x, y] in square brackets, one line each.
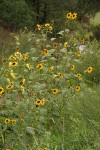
[79, 53]
[90, 69]
[65, 44]
[45, 51]
[72, 67]
[38, 102]
[18, 55]
[45, 148]
[28, 66]
[42, 101]
[25, 56]
[12, 74]
[17, 48]
[13, 64]
[22, 89]
[10, 87]
[13, 121]
[77, 88]
[55, 91]
[12, 58]
[22, 119]
[8, 80]
[51, 68]
[40, 66]
[82, 40]
[22, 81]
[78, 75]
[1, 91]
[74, 16]
[55, 76]
[55, 45]
[60, 75]
[50, 28]
[7, 120]
[38, 27]
[47, 25]
[8, 149]
[69, 15]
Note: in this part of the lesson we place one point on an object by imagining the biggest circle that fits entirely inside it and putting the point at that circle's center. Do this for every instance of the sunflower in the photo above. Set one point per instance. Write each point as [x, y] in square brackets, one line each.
[7, 120]
[45, 51]
[72, 67]
[18, 55]
[60, 75]
[50, 28]
[17, 48]
[13, 121]
[78, 75]
[22, 89]
[13, 64]
[28, 66]
[55, 45]
[38, 27]
[90, 69]
[40, 66]
[22, 81]
[55, 91]
[77, 88]
[10, 87]
[74, 16]
[21, 119]
[25, 56]
[12, 74]
[8, 80]
[38, 102]
[69, 15]
[82, 41]
[47, 25]
[55, 76]
[1, 91]
[12, 58]
[51, 68]
[79, 53]
[65, 44]
[45, 148]
[42, 101]
[3, 60]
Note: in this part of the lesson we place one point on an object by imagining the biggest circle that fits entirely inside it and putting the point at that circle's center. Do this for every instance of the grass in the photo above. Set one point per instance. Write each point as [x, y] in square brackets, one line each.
[40, 106]
[96, 19]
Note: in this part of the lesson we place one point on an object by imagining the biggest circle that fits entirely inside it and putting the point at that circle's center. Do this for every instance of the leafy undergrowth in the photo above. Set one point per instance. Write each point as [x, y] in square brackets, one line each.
[48, 100]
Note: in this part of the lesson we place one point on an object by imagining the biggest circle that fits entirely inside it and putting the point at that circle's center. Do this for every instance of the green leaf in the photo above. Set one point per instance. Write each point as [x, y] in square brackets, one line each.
[67, 30]
[30, 130]
[52, 39]
[43, 112]
[61, 32]
[63, 50]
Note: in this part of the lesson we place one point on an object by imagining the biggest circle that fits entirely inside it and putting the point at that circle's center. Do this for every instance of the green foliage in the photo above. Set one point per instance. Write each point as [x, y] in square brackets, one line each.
[91, 57]
[96, 31]
[40, 106]
[16, 14]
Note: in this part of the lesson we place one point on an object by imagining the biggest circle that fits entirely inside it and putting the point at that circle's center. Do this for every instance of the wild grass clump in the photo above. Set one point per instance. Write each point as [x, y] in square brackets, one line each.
[46, 101]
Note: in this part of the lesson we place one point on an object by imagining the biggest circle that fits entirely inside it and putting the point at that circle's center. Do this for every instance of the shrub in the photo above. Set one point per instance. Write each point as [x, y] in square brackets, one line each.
[15, 14]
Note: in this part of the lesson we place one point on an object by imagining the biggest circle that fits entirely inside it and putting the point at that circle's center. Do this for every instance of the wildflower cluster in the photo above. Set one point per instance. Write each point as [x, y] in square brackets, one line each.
[40, 85]
[46, 26]
[71, 15]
